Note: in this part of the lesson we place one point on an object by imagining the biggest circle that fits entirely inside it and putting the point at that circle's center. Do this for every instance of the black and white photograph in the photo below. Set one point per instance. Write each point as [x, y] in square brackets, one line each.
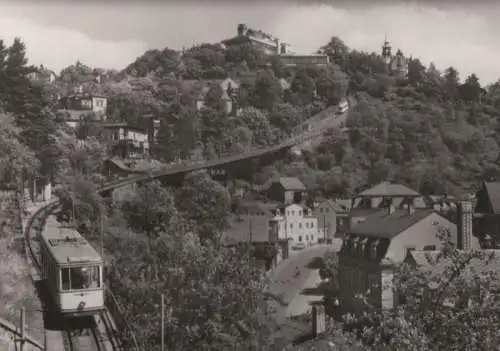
[249, 175]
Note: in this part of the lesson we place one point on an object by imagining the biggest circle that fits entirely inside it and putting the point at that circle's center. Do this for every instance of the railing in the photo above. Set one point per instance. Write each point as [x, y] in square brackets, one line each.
[19, 334]
[125, 333]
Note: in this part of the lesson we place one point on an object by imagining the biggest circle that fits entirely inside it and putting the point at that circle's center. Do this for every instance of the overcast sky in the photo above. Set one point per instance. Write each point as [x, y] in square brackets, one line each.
[111, 35]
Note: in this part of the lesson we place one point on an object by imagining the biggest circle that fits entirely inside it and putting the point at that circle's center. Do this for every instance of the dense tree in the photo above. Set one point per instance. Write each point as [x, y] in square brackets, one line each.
[206, 202]
[267, 90]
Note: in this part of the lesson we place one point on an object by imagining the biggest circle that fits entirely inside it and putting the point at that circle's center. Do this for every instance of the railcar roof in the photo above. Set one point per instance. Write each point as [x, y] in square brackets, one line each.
[67, 245]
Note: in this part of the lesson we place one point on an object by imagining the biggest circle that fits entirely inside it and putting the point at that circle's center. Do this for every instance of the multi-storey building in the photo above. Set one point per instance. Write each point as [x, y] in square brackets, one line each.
[332, 219]
[127, 141]
[381, 196]
[273, 46]
[373, 248]
[292, 224]
[77, 106]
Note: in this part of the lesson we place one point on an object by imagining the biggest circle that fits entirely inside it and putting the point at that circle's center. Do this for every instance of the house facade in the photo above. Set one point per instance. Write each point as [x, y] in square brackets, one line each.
[127, 141]
[229, 87]
[290, 225]
[396, 64]
[76, 107]
[286, 190]
[332, 219]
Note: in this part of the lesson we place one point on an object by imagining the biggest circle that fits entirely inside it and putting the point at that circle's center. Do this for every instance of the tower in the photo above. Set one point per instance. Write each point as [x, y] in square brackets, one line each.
[387, 51]
[464, 225]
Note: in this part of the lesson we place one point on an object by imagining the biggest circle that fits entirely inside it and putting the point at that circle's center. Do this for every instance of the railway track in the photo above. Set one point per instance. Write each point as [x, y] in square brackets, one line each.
[89, 333]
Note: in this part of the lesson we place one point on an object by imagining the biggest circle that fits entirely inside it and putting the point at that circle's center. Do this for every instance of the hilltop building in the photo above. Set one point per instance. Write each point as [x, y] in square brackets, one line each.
[273, 46]
[396, 64]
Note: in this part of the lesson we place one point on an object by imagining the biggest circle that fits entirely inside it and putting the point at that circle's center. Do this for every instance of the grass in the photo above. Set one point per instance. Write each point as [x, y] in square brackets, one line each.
[16, 287]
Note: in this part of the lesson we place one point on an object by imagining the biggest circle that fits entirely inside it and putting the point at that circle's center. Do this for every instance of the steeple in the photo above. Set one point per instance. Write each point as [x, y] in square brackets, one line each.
[386, 51]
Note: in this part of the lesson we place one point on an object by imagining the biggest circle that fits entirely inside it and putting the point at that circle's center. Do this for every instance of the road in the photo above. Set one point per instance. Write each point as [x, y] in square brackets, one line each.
[285, 281]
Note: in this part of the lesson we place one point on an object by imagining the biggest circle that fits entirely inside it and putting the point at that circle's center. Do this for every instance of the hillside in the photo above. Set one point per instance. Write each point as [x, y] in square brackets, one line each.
[427, 129]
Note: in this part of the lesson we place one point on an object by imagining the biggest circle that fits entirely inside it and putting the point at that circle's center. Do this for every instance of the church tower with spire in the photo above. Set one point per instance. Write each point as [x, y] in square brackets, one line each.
[387, 51]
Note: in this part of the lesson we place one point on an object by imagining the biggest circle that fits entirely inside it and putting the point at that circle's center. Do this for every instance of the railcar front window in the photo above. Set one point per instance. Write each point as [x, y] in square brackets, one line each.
[78, 278]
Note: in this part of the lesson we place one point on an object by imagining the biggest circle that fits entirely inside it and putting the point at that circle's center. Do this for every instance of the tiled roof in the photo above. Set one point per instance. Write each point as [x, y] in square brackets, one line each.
[493, 191]
[345, 203]
[389, 189]
[383, 225]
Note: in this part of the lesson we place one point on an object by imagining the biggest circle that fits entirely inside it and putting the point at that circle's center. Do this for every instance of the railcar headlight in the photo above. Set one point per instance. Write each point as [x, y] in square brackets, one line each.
[81, 305]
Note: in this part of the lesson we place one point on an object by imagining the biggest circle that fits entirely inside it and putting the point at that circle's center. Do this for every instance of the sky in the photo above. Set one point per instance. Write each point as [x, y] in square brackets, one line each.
[108, 34]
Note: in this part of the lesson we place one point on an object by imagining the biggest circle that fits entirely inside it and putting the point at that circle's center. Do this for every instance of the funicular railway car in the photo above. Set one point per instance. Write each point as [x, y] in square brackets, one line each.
[72, 270]
[343, 106]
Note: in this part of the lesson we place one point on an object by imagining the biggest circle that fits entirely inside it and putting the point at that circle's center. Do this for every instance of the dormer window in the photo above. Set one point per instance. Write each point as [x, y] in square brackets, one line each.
[373, 249]
[355, 243]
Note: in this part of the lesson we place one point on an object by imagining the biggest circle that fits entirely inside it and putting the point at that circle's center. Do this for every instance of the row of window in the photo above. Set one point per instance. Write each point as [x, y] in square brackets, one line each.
[307, 238]
[308, 225]
[321, 210]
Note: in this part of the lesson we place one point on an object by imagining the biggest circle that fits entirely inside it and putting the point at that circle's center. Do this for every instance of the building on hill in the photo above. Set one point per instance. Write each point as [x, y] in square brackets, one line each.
[380, 196]
[396, 64]
[230, 92]
[286, 190]
[127, 141]
[372, 249]
[273, 46]
[43, 74]
[75, 107]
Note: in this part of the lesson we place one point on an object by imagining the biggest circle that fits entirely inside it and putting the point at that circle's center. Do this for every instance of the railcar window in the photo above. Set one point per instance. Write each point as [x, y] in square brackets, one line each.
[78, 278]
[65, 278]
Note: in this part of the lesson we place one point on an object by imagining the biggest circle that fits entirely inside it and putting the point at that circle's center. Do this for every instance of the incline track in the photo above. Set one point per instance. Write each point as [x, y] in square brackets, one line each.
[90, 333]
[299, 137]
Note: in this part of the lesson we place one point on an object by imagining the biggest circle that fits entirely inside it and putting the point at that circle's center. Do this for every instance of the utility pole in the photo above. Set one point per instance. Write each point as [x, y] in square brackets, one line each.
[324, 228]
[162, 322]
[102, 233]
[22, 339]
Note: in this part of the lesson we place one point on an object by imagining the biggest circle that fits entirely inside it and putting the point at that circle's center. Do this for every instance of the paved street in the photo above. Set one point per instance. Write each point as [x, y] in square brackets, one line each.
[286, 282]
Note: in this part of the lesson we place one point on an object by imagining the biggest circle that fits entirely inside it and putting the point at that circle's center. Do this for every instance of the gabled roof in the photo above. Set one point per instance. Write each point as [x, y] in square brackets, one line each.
[290, 183]
[384, 225]
[333, 205]
[493, 192]
[388, 189]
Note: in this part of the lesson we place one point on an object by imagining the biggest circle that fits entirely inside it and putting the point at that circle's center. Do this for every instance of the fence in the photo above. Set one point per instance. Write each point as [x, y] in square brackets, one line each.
[19, 336]
[125, 333]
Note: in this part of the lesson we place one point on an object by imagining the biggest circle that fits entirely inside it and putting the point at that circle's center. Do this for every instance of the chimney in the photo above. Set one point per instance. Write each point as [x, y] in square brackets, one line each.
[318, 319]
[464, 225]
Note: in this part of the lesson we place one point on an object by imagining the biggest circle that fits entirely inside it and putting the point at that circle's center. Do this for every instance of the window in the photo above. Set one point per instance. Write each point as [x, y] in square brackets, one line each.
[326, 209]
[312, 224]
[79, 278]
[293, 213]
[291, 225]
[300, 212]
[307, 237]
[300, 225]
[312, 237]
[321, 210]
[300, 238]
[307, 224]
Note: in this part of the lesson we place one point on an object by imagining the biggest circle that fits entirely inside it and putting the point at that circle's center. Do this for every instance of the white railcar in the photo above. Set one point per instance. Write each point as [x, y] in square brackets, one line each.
[71, 269]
